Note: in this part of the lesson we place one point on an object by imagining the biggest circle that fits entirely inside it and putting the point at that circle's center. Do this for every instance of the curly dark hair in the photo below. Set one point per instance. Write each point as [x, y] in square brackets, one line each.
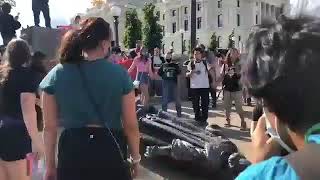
[282, 68]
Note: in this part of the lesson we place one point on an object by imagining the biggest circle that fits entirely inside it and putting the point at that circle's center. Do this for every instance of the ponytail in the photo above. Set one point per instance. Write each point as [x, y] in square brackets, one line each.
[71, 48]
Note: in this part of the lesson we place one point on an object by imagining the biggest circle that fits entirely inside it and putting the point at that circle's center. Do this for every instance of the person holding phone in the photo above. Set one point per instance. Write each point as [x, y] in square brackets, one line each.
[200, 81]
[281, 54]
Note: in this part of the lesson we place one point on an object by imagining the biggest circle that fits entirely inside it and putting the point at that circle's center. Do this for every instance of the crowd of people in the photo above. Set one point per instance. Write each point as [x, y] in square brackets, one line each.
[97, 116]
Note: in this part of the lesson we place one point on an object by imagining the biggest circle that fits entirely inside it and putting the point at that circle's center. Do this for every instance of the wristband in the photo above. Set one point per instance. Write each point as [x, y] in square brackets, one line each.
[135, 161]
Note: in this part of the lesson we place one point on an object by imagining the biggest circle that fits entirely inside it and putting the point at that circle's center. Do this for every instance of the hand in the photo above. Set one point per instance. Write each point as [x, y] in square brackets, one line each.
[135, 168]
[50, 174]
[263, 146]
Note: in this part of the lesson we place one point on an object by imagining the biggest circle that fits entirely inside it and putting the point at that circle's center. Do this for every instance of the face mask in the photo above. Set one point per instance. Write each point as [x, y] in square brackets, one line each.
[168, 60]
[274, 134]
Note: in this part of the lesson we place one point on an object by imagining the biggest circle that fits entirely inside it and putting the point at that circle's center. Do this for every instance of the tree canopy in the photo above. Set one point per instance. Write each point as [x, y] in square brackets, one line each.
[12, 2]
[133, 29]
[214, 44]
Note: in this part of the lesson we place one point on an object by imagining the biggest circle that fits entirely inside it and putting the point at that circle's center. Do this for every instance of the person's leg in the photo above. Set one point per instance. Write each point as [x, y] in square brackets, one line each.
[3, 171]
[227, 105]
[195, 103]
[177, 98]
[46, 15]
[204, 104]
[145, 94]
[213, 92]
[238, 103]
[36, 17]
[17, 170]
[165, 95]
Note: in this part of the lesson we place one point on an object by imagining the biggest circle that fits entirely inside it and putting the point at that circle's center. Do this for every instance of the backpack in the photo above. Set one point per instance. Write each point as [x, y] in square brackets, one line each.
[306, 162]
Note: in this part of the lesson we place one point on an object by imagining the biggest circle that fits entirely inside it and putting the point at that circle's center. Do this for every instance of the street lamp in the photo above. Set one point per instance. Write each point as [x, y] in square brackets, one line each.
[116, 12]
[182, 42]
[233, 41]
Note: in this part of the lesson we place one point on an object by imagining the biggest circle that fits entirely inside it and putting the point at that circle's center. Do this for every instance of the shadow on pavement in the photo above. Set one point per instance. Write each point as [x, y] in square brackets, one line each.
[236, 134]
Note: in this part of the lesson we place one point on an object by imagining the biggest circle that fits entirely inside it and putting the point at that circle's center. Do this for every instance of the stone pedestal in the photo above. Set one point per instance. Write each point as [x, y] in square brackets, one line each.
[43, 39]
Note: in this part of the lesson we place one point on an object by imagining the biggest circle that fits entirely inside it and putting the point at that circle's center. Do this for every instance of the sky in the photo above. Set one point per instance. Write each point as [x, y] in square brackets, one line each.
[63, 10]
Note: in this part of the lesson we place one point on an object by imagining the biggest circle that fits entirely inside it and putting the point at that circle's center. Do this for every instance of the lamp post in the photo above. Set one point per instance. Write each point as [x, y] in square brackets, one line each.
[182, 38]
[233, 41]
[193, 24]
[116, 12]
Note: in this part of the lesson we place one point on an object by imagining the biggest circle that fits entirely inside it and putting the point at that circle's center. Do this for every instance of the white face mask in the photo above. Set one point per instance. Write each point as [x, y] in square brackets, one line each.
[274, 134]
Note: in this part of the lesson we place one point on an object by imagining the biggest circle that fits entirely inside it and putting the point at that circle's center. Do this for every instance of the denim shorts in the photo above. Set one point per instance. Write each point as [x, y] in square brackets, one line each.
[143, 77]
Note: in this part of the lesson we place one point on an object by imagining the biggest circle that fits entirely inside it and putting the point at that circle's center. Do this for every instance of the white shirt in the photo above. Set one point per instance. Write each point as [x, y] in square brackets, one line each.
[200, 80]
[157, 62]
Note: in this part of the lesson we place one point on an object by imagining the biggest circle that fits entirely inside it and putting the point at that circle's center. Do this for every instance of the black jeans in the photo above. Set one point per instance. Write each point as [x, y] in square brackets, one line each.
[213, 92]
[86, 153]
[46, 14]
[203, 95]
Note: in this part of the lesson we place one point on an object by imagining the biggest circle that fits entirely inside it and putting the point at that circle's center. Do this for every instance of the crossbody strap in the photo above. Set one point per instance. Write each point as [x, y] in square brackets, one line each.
[96, 106]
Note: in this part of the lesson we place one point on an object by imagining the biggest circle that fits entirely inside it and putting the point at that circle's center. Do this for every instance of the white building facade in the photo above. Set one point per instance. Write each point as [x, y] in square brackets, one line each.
[214, 16]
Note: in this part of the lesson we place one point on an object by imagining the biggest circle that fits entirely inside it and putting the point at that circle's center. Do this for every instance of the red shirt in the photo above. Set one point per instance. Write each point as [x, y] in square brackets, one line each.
[126, 63]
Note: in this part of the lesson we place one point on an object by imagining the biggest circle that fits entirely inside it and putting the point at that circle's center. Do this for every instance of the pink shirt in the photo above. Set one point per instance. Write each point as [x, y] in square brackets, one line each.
[142, 66]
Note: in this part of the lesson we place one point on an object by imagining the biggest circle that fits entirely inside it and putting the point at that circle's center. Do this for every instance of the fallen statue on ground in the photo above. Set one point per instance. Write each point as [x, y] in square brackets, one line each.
[165, 135]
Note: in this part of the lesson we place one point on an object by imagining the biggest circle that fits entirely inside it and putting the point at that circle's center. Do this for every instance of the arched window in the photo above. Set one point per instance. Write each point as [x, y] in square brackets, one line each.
[220, 23]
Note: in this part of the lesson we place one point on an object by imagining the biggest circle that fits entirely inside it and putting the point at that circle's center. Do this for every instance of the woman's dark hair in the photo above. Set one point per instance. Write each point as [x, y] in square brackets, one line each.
[92, 32]
[17, 54]
[116, 50]
[133, 54]
[199, 49]
[37, 62]
[6, 8]
[282, 68]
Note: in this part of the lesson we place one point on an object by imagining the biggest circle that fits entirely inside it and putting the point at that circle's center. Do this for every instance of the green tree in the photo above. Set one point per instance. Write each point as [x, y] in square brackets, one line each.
[133, 31]
[152, 31]
[214, 44]
[12, 2]
[231, 40]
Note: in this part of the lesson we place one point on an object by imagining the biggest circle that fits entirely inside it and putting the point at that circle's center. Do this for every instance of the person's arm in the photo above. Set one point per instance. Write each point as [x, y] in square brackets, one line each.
[190, 71]
[131, 129]
[50, 116]
[160, 71]
[151, 74]
[28, 104]
[133, 66]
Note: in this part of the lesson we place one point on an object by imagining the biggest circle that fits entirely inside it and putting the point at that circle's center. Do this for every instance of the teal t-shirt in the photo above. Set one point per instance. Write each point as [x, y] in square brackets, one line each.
[276, 168]
[108, 83]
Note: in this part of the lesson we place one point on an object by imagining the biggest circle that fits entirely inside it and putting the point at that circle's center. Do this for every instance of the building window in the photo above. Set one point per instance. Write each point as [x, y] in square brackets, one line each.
[174, 27]
[239, 38]
[163, 16]
[219, 41]
[185, 10]
[220, 4]
[238, 3]
[186, 25]
[199, 7]
[199, 22]
[220, 23]
[158, 15]
[257, 3]
[163, 48]
[163, 30]
[257, 19]
[174, 12]
[238, 20]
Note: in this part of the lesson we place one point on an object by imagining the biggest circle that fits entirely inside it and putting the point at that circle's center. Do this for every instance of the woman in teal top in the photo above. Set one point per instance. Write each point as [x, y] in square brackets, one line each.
[93, 97]
[281, 55]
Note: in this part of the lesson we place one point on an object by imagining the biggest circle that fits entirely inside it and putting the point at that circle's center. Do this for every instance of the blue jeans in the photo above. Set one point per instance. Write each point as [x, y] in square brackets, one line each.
[170, 94]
